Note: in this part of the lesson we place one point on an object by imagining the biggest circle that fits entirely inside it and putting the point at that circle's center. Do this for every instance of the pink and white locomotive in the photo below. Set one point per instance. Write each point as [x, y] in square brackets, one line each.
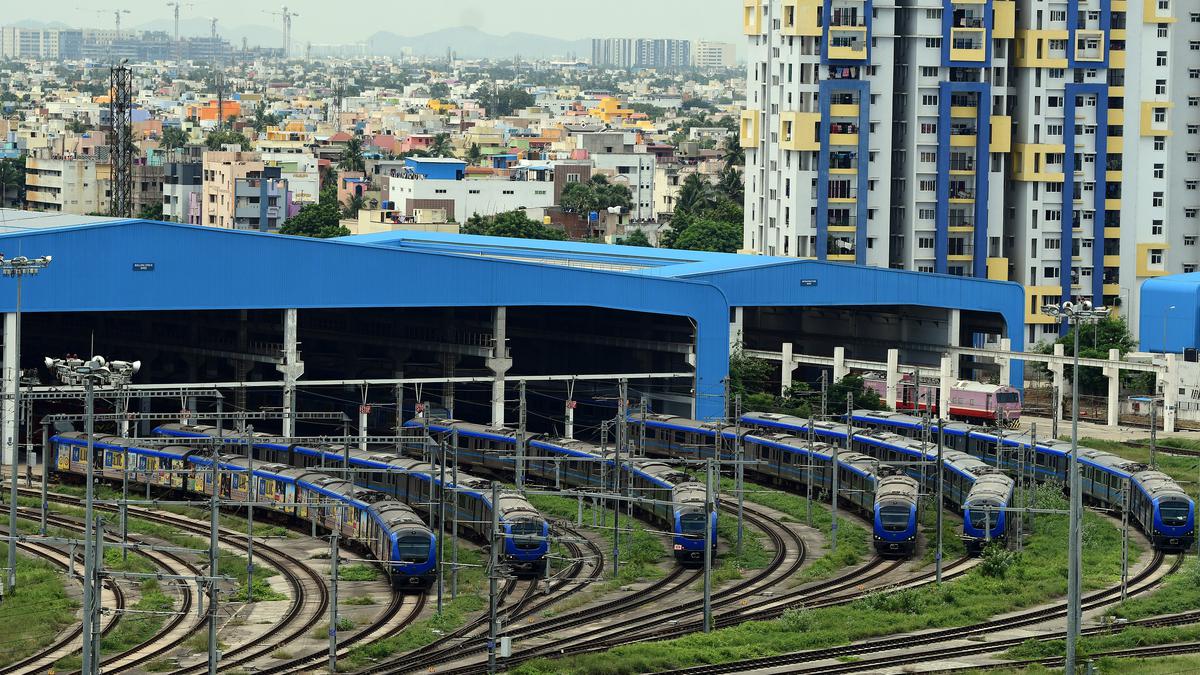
[969, 401]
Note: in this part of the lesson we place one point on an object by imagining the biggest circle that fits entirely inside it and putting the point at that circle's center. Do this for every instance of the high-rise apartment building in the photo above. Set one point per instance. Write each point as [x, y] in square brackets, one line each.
[1055, 143]
[641, 53]
[37, 43]
[714, 55]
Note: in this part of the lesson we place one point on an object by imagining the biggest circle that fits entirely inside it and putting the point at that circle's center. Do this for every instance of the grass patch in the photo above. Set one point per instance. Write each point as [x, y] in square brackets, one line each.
[952, 544]
[198, 643]
[262, 592]
[854, 541]
[358, 573]
[281, 654]
[1033, 577]
[159, 666]
[321, 632]
[359, 600]
[471, 599]
[731, 566]
[133, 562]
[39, 610]
[1179, 593]
[136, 628]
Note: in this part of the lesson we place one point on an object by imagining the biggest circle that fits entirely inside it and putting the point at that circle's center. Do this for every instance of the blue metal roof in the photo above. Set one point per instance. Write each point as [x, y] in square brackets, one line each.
[137, 265]
[1170, 313]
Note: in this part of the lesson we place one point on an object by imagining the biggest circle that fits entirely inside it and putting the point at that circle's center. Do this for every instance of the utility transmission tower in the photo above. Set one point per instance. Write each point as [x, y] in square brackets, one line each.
[120, 141]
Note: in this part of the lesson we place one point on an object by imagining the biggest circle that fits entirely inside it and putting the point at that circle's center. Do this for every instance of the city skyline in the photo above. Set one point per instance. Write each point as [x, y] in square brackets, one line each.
[327, 23]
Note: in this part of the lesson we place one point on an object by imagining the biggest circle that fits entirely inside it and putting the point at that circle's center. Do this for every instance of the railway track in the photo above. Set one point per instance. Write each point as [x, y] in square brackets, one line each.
[309, 596]
[452, 645]
[68, 643]
[789, 557]
[906, 644]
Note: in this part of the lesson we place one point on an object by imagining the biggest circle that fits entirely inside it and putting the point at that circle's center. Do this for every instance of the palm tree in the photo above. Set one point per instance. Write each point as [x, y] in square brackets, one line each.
[352, 156]
[441, 146]
[695, 194]
[12, 175]
[355, 204]
[730, 183]
[733, 154]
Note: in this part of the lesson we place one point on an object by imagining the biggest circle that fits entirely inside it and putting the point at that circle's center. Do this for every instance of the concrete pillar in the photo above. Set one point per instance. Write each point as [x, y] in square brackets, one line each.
[953, 330]
[946, 378]
[1005, 362]
[893, 377]
[449, 361]
[839, 364]
[735, 327]
[785, 369]
[499, 363]
[1170, 393]
[292, 368]
[11, 372]
[1113, 373]
[1059, 381]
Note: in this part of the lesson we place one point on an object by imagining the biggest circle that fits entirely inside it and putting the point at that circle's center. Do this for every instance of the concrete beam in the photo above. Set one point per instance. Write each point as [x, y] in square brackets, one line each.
[1113, 373]
[786, 368]
[893, 377]
[12, 371]
[1059, 381]
[499, 362]
[292, 368]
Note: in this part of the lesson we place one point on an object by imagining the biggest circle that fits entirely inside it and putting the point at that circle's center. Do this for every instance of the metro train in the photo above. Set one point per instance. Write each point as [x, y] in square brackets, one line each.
[388, 530]
[789, 461]
[678, 500]
[526, 532]
[971, 401]
[1164, 512]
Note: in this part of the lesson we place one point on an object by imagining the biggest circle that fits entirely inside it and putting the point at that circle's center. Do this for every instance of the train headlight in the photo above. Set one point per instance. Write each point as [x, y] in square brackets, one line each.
[678, 547]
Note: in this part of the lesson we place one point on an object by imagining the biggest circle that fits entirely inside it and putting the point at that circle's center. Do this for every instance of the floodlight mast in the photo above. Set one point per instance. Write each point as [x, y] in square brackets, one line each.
[1075, 314]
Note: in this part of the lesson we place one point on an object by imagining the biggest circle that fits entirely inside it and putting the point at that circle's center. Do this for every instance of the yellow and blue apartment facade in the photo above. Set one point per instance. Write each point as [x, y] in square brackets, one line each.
[985, 138]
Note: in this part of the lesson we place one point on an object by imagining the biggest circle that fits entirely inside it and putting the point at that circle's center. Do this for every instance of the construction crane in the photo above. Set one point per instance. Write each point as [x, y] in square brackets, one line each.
[177, 6]
[115, 12]
[287, 28]
[213, 27]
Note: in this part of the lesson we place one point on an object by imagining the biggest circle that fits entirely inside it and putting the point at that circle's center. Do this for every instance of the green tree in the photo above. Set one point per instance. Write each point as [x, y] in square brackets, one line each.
[695, 195]
[226, 137]
[732, 153]
[474, 155]
[704, 234]
[649, 110]
[731, 185]
[747, 374]
[355, 204]
[513, 224]
[151, 212]
[852, 385]
[596, 194]
[12, 180]
[264, 119]
[637, 238]
[319, 221]
[501, 102]
[77, 126]
[439, 90]
[352, 156]
[441, 147]
[173, 138]
[1095, 339]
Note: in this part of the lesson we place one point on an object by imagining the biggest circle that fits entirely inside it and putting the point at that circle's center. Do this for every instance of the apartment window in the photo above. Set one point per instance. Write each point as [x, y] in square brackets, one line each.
[1194, 101]
[1189, 268]
[1161, 59]
[1053, 214]
[1160, 115]
[1189, 241]
[933, 14]
[1159, 170]
[1195, 17]
[926, 214]
[1193, 156]
[1160, 144]
[1162, 31]
[1058, 15]
[1050, 272]
[928, 185]
[1190, 213]
[929, 157]
[929, 127]
[1157, 200]
[925, 242]
[1051, 244]
[930, 71]
[933, 43]
[929, 99]
[1193, 129]
[1054, 129]
[1164, 5]
[1194, 73]
[1156, 227]
[473, 192]
[1054, 101]
[1160, 87]
[927, 269]
[1191, 184]
[572, 178]
[1194, 45]
[1156, 256]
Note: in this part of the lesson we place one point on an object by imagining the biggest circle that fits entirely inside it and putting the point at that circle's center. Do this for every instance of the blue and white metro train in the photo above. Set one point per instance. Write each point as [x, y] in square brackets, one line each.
[888, 500]
[1164, 512]
[977, 490]
[387, 529]
[526, 533]
[678, 500]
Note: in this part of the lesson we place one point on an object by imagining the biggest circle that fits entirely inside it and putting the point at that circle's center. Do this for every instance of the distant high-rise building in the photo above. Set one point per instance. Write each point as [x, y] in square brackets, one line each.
[714, 55]
[32, 43]
[641, 53]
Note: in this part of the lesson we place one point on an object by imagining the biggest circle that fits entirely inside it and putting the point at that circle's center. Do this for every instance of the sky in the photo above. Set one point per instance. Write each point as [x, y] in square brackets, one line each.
[329, 21]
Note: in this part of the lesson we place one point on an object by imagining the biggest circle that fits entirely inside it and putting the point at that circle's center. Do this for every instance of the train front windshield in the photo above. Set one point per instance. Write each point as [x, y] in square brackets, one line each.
[413, 549]
[525, 534]
[983, 518]
[1173, 514]
[1008, 397]
[692, 523]
[894, 518]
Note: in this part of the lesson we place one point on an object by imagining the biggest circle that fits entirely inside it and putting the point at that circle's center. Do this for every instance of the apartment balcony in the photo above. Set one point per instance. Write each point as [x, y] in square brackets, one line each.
[1089, 45]
[961, 254]
[963, 110]
[850, 110]
[847, 43]
[252, 188]
[32, 180]
[968, 44]
[960, 193]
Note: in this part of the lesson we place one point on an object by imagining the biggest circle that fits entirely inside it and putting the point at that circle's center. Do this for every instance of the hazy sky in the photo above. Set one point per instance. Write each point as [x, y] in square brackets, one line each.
[327, 21]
